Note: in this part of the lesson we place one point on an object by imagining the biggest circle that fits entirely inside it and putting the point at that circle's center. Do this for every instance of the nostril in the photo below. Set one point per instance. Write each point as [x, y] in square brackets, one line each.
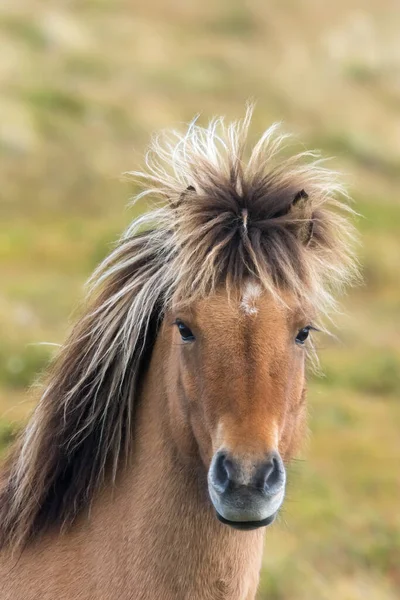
[274, 474]
[221, 472]
[229, 475]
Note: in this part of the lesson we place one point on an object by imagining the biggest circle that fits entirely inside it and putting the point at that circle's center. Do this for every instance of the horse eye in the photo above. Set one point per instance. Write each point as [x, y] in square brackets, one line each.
[303, 335]
[186, 333]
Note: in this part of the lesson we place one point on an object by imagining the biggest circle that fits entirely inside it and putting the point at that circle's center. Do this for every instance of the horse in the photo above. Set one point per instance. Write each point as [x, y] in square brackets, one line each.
[157, 454]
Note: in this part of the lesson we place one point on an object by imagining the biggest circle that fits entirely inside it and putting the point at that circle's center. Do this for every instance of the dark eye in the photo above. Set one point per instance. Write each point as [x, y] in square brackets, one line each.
[303, 335]
[186, 333]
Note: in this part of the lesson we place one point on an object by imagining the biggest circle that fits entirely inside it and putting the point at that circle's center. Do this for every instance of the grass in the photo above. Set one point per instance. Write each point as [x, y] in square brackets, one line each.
[82, 89]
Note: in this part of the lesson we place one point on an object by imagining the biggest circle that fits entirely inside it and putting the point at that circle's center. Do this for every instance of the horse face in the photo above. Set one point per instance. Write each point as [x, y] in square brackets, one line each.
[237, 396]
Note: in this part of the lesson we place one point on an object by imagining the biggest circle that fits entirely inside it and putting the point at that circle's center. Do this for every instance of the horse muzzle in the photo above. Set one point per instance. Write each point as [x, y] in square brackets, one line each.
[246, 493]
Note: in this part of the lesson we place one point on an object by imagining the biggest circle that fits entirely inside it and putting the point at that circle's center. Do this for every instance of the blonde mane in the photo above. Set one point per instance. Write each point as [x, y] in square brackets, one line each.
[224, 215]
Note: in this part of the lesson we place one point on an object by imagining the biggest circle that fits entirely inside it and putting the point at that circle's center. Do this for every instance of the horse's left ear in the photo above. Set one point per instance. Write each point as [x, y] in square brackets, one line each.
[190, 188]
[300, 209]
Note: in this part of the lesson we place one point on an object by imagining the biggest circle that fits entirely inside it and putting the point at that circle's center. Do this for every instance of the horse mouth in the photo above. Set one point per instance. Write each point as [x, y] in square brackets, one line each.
[247, 525]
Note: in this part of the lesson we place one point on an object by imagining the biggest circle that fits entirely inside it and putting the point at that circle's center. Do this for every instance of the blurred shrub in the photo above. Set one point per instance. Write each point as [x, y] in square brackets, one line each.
[23, 30]
[377, 373]
[20, 368]
[382, 553]
[379, 376]
[8, 433]
[56, 100]
[275, 584]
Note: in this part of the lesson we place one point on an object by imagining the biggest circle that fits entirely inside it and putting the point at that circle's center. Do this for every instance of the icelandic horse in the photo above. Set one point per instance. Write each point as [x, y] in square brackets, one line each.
[156, 455]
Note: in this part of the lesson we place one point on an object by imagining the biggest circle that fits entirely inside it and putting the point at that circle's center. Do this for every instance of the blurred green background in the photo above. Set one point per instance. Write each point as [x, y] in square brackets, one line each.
[82, 86]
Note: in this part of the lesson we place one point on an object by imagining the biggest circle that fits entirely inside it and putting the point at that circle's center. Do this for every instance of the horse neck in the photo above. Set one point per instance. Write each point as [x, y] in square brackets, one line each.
[152, 535]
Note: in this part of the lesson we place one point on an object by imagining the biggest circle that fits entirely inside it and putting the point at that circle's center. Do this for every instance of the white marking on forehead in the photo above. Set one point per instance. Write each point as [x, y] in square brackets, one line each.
[245, 216]
[251, 293]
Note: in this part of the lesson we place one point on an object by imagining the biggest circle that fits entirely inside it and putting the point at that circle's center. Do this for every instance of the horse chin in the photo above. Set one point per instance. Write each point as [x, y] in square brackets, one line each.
[247, 525]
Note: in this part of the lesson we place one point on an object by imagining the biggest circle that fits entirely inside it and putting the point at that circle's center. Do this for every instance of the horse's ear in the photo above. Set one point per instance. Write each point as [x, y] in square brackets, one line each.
[190, 188]
[300, 210]
[300, 197]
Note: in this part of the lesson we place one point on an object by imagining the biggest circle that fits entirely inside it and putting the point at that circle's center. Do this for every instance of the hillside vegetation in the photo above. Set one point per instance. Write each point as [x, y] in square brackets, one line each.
[82, 87]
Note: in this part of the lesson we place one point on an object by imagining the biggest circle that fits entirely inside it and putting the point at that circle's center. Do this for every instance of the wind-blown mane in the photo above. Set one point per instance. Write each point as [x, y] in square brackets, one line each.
[220, 220]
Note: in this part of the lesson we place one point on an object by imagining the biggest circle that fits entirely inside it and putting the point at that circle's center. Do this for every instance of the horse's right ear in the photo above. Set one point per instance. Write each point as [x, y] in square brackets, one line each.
[300, 209]
[301, 197]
